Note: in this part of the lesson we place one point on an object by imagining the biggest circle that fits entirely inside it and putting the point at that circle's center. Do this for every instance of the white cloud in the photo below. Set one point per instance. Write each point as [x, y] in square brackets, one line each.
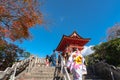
[87, 50]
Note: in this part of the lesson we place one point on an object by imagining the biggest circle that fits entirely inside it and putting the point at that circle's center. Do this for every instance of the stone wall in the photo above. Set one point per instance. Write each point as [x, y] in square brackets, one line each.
[107, 71]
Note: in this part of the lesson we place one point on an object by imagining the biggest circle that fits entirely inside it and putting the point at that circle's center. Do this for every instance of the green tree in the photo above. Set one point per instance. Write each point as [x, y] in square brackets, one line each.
[26, 54]
[109, 52]
[10, 53]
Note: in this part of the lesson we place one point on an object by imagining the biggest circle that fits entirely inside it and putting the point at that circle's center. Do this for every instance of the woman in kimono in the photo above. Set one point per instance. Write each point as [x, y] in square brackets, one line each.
[75, 64]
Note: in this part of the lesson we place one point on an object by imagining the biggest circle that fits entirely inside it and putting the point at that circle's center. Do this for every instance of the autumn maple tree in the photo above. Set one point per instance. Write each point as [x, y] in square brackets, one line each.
[16, 17]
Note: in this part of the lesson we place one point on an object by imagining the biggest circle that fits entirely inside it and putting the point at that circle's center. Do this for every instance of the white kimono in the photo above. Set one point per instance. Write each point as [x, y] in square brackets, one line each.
[75, 64]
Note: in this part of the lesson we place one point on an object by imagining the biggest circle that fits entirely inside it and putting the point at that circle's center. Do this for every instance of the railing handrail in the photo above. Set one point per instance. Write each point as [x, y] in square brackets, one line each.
[10, 72]
[111, 70]
[29, 63]
[33, 61]
[111, 73]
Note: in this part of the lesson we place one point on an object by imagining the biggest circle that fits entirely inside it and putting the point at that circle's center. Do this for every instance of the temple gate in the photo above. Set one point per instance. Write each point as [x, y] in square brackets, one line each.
[67, 44]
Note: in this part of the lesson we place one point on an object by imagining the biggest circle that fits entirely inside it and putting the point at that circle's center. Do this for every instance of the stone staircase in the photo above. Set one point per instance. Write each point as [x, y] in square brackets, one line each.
[39, 73]
[42, 72]
[48, 73]
[91, 75]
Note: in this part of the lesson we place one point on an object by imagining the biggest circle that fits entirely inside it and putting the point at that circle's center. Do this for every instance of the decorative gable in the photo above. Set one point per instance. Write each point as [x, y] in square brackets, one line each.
[75, 35]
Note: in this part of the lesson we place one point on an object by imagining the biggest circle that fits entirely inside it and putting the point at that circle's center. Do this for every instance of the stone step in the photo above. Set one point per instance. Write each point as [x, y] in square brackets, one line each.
[47, 70]
[92, 76]
[28, 76]
[39, 76]
[35, 79]
[40, 73]
[34, 74]
[43, 69]
[40, 67]
[93, 79]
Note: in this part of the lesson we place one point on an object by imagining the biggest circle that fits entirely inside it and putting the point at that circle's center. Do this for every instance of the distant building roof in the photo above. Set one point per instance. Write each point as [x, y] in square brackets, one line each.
[74, 38]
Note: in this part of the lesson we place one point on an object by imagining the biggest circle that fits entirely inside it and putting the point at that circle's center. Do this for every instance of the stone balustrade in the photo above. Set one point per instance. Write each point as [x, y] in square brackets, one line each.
[107, 71]
[19, 66]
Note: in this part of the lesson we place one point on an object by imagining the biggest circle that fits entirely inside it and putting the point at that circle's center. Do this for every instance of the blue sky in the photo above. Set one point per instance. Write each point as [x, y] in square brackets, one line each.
[90, 18]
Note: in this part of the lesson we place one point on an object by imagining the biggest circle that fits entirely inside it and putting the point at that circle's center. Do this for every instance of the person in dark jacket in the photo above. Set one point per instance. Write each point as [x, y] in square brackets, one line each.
[53, 59]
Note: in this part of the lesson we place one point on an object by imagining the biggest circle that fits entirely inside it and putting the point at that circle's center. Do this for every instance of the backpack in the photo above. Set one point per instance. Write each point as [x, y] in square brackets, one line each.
[50, 59]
